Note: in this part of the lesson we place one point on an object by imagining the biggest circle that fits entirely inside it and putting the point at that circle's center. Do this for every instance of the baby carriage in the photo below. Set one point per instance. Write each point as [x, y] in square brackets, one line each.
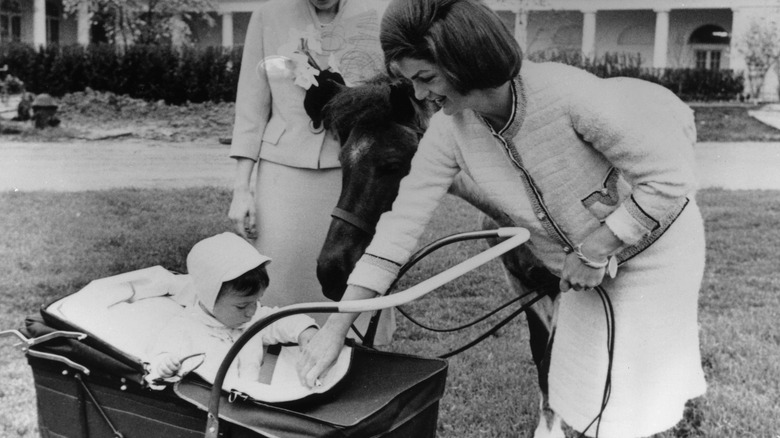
[90, 376]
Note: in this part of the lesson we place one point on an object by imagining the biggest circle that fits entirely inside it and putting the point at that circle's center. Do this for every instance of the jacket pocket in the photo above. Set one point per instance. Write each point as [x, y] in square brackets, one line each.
[274, 130]
[614, 189]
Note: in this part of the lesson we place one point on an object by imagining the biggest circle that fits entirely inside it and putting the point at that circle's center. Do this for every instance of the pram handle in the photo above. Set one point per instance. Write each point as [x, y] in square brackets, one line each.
[515, 237]
[29, 342]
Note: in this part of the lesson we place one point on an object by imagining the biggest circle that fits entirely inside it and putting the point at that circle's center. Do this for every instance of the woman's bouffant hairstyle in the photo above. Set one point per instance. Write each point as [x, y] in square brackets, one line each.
[465, 39]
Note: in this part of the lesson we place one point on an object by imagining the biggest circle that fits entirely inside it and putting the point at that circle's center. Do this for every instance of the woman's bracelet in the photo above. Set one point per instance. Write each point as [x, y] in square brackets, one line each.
[610, 263]
[588, 262]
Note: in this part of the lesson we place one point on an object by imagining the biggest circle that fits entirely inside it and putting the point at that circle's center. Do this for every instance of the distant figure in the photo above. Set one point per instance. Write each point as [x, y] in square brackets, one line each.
[24, 109]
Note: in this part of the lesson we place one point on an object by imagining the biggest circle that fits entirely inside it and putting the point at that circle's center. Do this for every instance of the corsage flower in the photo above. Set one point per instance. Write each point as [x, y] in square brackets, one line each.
[299, 50]
[320, 84]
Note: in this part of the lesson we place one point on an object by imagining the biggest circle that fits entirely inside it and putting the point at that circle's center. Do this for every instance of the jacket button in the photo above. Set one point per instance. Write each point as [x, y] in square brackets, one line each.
[566, 249]
[605, 191]
[541, 216]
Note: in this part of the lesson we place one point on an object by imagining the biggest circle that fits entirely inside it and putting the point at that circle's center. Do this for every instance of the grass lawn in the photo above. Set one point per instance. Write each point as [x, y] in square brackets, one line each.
[722, 123]
[54, 243]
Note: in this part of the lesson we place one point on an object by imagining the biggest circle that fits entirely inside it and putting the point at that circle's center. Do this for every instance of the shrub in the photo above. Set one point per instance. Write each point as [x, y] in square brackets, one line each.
[154, 72]
[190, 74]
[689, 84]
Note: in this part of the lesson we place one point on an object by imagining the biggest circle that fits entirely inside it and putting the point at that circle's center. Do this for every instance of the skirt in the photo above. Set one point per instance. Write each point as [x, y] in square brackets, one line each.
[656, 364]
[293, 217]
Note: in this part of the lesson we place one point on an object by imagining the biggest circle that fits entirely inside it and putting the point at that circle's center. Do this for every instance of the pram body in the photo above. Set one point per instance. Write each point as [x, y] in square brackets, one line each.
[89, 386]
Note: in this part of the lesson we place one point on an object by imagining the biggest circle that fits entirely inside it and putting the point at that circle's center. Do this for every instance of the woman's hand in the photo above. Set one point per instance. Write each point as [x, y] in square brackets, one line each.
[598, 246]
[242, 208]
[576, 275]
[242, 213]
[320, 353]
[324, 348]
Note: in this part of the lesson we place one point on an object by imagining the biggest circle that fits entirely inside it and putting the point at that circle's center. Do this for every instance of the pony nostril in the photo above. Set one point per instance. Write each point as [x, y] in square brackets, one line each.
[333, 280]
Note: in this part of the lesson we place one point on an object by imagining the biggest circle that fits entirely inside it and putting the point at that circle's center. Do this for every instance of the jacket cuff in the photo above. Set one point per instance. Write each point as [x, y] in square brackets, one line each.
[245, 148]
[374, 273]
[625, 226]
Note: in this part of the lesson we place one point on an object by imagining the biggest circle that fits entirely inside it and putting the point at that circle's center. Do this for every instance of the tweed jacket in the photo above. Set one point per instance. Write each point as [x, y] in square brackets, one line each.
[577, 152]
[270, 121]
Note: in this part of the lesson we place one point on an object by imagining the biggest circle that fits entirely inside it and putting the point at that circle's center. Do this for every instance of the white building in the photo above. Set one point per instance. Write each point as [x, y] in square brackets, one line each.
[664, 33]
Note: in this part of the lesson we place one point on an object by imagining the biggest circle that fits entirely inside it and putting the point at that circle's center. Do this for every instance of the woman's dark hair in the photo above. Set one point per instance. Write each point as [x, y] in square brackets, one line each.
[247, 283]
[465, 39]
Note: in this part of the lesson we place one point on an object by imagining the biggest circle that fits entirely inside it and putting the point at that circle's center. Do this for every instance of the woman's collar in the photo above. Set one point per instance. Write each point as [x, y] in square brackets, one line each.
[517, 111]
[512, 126]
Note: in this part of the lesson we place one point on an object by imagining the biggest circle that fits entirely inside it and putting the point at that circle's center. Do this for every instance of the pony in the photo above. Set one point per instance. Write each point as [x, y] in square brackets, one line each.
[379, 125]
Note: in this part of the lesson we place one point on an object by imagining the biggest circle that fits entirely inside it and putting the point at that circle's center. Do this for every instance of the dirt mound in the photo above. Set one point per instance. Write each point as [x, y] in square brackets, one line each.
[92, 114]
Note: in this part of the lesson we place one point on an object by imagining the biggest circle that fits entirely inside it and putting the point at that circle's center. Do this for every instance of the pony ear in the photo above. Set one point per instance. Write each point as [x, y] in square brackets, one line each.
[401, 95]
[330, 83]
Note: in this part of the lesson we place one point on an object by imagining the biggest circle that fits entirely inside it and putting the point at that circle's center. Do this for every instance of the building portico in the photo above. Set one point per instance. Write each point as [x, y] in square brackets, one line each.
[660, 33]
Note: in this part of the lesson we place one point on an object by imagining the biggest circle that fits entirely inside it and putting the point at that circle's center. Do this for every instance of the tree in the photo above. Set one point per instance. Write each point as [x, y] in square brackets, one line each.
[760, 46]
[128, 22]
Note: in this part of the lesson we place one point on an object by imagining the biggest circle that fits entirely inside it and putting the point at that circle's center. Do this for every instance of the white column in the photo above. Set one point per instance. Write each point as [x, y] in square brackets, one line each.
[661, 47]
[82, 24]
[739, 25]
[227, 29]
[521, 29]
[39, 23]
[589, 34]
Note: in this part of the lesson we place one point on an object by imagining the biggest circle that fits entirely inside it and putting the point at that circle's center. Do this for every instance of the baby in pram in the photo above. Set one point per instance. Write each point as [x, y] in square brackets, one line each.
[229, 277]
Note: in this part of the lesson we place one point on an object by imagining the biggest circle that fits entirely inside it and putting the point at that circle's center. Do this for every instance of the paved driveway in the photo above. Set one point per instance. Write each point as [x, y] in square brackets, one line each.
[96, 165]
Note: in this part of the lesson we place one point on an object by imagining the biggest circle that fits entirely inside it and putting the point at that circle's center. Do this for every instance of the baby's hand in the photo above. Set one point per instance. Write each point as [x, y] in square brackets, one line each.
[167, 365]
[306, 335]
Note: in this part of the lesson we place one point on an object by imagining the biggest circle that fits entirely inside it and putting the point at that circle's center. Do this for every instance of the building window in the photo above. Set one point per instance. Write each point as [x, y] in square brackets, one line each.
[708, 59]
[708, 43]
[10, 21]
[53, 17]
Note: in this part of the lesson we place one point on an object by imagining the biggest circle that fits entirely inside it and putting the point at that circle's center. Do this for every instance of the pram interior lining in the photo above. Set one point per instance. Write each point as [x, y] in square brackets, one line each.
[127, 311]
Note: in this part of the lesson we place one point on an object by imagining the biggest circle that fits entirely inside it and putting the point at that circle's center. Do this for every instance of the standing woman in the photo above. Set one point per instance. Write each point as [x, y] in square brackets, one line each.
[601, 171]
[289, 45]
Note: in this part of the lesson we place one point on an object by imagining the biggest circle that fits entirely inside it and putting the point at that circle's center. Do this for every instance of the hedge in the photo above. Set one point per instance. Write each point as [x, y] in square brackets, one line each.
[181, 74]
[687, 83]
[173, 74]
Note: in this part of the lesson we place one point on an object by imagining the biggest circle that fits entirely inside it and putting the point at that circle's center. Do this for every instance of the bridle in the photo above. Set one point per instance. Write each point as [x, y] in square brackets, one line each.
[352, 219]
[356, 221]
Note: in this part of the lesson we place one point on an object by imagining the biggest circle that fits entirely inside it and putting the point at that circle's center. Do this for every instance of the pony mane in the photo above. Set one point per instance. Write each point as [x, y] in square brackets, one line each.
[374, 104]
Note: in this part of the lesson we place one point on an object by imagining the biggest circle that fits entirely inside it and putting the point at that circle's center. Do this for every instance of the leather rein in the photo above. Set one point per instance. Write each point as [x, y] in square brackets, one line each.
[352, 219]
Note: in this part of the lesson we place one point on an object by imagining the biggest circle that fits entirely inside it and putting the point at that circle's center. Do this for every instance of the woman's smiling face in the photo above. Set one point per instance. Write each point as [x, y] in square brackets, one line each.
[430, 84]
